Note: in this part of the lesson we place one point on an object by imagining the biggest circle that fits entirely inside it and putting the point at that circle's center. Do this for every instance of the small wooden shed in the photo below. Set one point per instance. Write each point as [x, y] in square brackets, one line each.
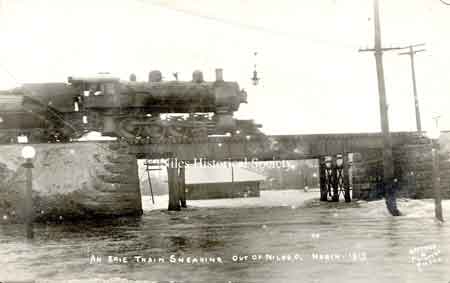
[213, 183]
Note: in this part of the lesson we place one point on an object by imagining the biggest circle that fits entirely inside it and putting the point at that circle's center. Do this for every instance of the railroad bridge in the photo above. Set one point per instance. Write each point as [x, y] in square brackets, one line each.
[346, 161]
[85, 179]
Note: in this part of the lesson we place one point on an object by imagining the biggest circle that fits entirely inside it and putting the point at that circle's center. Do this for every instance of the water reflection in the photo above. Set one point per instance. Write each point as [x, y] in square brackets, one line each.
[178, 244]
[63, 250]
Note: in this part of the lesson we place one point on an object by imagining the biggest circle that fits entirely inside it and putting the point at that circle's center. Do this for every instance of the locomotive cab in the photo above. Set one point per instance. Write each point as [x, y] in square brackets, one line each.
[97, 92]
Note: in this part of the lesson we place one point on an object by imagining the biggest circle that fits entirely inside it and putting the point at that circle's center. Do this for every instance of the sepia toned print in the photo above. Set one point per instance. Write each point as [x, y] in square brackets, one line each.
[224, 141]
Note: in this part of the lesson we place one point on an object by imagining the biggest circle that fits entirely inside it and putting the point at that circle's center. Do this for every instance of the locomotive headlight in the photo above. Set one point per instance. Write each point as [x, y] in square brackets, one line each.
[1, 120]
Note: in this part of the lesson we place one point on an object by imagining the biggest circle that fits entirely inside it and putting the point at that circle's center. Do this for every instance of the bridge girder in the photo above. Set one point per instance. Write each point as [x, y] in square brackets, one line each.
[266, 148]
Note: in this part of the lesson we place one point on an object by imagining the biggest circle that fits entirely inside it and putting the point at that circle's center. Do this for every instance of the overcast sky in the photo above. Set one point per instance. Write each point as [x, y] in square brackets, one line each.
[313, 79]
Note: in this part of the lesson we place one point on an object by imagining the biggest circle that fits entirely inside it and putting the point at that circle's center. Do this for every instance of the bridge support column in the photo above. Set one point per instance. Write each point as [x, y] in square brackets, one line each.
[323, 179]
[346, 178]
[177, 185]
[182, 186]
[334, 179]
[174, 191]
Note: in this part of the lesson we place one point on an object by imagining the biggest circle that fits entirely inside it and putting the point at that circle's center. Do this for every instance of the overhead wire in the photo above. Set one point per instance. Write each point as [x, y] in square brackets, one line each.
[292, 35]
[10, 74]
[257, 28]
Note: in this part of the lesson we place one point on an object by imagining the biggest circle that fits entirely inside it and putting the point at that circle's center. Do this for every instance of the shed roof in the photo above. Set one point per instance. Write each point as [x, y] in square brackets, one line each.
[221, 175]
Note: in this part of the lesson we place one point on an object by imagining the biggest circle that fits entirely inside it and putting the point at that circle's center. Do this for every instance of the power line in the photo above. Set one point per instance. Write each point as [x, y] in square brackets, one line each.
[10, 74]
[292, 35]
[446, 3]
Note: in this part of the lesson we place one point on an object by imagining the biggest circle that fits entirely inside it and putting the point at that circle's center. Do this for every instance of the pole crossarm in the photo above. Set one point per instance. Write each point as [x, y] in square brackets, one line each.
[412, 53]
[392, 48]
[380, 49]
[411, 49]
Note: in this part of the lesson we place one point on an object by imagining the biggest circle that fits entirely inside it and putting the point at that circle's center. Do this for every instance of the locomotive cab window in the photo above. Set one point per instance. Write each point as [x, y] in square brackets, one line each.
[108, 89]
[92, 89]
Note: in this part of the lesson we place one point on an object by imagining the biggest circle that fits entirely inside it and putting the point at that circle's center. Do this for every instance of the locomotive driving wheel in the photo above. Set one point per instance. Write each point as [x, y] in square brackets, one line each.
[129, 128]
[140, 128]
[155, 130]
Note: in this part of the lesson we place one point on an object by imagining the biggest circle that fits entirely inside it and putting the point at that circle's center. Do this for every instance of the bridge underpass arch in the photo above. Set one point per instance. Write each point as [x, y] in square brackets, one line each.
[328, 176]
[358, 178]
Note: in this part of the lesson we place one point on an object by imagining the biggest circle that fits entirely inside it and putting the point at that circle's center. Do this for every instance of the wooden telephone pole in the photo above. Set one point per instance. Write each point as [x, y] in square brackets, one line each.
[411, 53]
[389, 183]
[437, 172]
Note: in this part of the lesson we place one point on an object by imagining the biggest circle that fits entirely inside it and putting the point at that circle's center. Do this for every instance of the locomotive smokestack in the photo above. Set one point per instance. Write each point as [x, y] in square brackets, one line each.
[132, 78]
[219, 75]
[155, 76]
[197, 76]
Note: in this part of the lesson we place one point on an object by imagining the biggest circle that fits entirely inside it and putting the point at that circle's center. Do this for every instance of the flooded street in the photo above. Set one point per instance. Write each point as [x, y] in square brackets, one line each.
[284, 236]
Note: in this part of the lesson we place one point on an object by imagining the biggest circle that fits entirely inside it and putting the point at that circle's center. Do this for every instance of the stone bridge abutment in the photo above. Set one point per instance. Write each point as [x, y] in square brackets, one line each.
[71, 181]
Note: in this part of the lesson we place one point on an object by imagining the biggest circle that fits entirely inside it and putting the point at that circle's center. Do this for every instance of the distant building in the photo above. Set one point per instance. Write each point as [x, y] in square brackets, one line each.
[210, 183]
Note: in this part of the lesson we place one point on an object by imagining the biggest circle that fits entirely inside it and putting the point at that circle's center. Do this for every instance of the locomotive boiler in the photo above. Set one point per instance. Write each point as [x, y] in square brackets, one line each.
[154, 111]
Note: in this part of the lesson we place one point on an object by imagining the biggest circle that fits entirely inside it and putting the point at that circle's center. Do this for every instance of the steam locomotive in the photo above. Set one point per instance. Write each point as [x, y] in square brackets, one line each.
[155, 111]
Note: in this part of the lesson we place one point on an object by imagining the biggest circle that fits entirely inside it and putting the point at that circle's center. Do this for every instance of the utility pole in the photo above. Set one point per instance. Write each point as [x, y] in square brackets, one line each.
[411, 53]
[436, 170]
[389, 183]
[147, 165]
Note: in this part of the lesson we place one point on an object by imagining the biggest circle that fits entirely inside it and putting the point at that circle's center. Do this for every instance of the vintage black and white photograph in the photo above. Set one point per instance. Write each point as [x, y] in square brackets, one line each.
[224, 141]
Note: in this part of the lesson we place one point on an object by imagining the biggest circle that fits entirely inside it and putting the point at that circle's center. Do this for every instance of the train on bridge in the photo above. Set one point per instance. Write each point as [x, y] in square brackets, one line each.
[154, 111]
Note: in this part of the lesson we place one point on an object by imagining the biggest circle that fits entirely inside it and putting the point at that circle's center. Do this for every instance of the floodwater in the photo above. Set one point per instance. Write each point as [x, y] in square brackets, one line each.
[283, 236]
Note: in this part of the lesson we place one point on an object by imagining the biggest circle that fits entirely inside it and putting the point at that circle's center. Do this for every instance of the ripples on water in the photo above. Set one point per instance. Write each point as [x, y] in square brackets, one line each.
[62, 251]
